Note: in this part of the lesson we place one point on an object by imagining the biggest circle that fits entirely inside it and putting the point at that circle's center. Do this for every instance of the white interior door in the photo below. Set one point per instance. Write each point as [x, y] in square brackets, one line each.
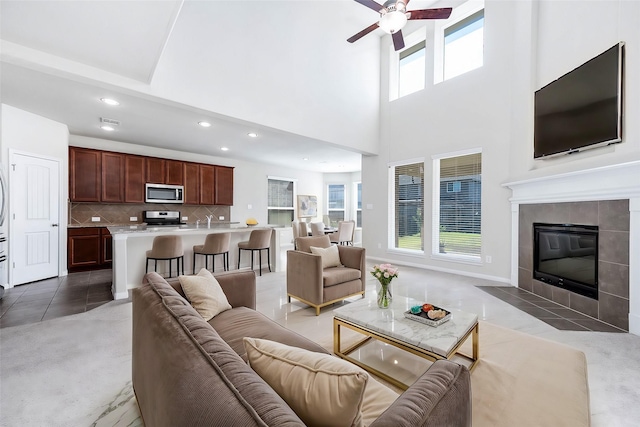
[33, 221]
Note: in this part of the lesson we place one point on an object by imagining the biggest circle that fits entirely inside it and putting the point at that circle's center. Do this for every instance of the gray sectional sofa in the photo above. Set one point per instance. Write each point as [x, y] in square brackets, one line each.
[189, 372]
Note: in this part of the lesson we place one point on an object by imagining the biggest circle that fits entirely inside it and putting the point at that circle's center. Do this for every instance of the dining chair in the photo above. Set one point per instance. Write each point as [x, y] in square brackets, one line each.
[317, 228]
[304, 229]
[344, 235]
[295, 228]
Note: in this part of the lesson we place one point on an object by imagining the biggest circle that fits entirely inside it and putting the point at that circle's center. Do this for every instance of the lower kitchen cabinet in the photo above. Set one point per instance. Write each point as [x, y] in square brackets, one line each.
[88, 248]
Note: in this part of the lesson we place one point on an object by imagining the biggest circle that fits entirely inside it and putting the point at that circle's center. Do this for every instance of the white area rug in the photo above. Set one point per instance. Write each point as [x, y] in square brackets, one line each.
[76, 371]
[69, 371]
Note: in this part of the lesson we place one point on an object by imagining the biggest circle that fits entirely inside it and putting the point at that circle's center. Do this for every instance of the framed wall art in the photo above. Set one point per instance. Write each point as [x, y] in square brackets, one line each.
[307, 206]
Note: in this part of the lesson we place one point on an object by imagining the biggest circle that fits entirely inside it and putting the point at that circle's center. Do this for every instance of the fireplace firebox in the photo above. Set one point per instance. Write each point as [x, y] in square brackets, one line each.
[566, 256]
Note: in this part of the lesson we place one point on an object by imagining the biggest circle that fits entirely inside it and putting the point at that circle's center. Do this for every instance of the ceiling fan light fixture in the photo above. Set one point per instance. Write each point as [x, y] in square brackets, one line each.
[392, 21]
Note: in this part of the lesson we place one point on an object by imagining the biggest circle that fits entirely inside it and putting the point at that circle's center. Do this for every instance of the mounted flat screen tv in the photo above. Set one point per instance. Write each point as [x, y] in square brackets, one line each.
[582, 109]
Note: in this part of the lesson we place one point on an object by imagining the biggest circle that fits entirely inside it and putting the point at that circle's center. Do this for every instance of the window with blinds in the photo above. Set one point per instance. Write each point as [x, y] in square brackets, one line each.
[408, 185]
[335, 202]
[458, 194]
[280, 208]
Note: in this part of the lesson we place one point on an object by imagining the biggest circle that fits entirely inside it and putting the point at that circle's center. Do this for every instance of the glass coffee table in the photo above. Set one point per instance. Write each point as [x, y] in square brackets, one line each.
[390, 327]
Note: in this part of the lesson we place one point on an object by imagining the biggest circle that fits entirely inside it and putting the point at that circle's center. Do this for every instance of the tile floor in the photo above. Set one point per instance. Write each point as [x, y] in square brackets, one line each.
[551, 313]
[56, 297]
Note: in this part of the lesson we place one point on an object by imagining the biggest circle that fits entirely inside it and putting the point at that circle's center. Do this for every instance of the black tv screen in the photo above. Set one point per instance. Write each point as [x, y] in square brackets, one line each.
[581, 109]
[566, 256]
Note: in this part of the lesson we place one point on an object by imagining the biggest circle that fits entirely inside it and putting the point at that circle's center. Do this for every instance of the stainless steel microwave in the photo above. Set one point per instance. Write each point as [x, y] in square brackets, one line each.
[162, 193]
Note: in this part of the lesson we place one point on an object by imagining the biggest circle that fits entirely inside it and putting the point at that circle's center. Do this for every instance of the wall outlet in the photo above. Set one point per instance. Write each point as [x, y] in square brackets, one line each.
[221, 218]
[185, 218]
[133, 218]
[488, 259]
[249, 206]
[379, 245]
[95, 219]
[369, 206]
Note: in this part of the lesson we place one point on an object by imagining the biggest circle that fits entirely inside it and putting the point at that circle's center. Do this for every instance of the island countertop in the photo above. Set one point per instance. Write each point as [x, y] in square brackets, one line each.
[130, 244]
[148, 229]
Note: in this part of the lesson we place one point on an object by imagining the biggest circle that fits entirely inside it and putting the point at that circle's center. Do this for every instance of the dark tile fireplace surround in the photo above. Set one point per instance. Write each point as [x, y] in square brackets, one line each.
[613, 219]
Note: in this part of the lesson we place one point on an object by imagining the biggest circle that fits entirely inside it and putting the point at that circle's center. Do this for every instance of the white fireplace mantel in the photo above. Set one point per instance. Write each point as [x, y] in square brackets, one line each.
[615, 182]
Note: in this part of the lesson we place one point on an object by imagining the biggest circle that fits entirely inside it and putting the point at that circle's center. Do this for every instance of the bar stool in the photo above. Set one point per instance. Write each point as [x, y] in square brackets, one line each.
[214, 244]
[166, 248]
[259, 240]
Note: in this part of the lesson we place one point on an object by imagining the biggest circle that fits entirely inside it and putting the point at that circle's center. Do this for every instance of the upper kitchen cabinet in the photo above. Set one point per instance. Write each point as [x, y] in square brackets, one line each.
[134, 179]
[156, 170]
[85, 175]
[113, 177]
[191, 183]
[206, 175]
[223, 186]
[174, 172]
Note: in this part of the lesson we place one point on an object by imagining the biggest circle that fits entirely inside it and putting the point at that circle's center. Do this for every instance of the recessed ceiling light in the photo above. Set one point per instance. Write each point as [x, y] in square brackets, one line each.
[253, 134]
[305, 158]
[204, 124]
[107, 128]
[224, 149]
[109, 101]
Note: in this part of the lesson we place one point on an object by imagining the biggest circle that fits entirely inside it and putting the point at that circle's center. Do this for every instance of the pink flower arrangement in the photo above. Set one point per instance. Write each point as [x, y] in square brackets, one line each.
[384, 273]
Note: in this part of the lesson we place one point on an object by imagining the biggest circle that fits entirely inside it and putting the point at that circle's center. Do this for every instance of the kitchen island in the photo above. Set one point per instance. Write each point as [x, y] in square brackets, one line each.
[131, 243]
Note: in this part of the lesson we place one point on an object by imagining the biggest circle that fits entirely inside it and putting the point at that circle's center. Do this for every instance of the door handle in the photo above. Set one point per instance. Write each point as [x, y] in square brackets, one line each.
[54, 225]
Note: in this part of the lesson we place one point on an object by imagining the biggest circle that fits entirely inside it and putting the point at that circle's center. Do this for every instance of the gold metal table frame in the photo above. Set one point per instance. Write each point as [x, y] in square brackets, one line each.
[429, 355]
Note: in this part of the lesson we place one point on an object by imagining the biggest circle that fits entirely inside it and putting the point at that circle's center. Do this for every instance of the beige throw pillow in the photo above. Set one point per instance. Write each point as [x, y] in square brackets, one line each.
[330, 256]
[205, 294]
[322, 389]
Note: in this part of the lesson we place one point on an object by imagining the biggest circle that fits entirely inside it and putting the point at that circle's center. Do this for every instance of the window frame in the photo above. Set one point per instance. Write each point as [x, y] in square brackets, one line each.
[435, 213]
[411, 40]
[344, 201]
[458, 15]
[282, 208]
[357, 205]
[392, 233]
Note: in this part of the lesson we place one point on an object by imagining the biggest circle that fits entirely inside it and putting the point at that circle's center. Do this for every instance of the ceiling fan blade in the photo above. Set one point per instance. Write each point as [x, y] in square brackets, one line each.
[371, 5]
[442, 13]
[398, 40]
[363, 32]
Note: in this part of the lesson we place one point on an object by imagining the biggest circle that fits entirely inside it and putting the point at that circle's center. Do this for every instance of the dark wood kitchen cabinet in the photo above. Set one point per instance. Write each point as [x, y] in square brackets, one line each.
[223, 186]
[85, 175]
[88, 248]
[112, 177]
[191, 184]
[174, 172]
[206, 174]
[106, 247]
[134, 179]
[108, 177]
[156, 170]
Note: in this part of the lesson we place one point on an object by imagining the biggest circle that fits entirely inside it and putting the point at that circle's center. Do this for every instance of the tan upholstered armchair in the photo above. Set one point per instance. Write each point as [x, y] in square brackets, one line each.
[309, 282]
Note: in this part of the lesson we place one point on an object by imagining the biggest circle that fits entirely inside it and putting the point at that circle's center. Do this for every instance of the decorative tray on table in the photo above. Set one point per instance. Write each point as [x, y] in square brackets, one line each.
[422, 316]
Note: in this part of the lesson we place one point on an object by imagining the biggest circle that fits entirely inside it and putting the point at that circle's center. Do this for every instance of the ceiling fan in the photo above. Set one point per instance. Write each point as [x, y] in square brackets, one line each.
[394, 16]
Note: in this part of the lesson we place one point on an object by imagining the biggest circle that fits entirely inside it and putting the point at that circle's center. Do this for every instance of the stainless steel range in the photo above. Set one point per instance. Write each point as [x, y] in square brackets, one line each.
[161, 217]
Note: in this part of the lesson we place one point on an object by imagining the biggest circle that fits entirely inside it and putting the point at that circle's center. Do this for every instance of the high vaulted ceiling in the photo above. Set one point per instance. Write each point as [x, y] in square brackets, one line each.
[60, 57]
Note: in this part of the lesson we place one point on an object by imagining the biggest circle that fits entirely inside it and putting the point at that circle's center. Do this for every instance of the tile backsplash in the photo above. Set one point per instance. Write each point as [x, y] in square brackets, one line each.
[117, 214]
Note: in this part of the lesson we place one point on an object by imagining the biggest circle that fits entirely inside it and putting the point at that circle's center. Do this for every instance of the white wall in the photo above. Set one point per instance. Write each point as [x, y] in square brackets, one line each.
[250, 179]
[28, 133]
[527, 43]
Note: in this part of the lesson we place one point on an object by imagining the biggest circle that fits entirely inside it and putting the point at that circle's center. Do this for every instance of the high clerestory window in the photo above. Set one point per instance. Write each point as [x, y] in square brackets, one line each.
[459, 41]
